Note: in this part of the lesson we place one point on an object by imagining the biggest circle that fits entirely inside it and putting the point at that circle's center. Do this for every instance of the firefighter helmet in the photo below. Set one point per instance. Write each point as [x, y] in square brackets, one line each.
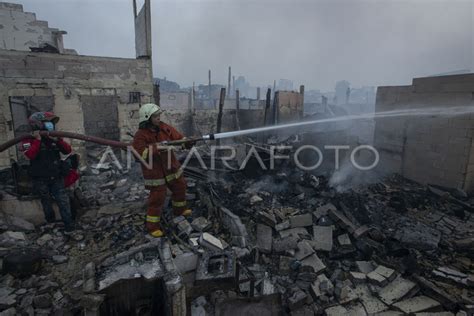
[147, 110]
[37, 120]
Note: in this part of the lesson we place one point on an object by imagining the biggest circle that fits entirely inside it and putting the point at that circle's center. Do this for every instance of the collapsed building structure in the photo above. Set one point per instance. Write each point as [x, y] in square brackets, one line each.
[261, 241]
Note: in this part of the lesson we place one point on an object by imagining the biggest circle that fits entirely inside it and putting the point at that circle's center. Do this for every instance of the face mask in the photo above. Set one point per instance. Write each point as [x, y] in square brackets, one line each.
[49, 126]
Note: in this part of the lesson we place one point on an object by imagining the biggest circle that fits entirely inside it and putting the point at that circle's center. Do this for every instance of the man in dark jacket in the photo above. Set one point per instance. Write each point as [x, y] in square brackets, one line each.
[46, 169]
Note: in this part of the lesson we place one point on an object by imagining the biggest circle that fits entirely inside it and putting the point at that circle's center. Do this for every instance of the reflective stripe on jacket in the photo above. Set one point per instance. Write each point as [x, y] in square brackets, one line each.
[162, 170]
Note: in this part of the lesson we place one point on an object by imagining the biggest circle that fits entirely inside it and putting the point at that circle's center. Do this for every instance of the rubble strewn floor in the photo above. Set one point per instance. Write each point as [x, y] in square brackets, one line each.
[279, 244]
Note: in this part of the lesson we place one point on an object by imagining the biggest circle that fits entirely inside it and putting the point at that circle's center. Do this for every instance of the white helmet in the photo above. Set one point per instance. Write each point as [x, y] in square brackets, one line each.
[147, 110]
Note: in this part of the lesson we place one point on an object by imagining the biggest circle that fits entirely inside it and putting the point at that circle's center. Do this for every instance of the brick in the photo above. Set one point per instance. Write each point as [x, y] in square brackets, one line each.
[344, 240]
[294, 231]
[358, 277]
[322, 238]
[264, 238]
[304, 250]
[285, 244]
[336, 311]
[365, 266]
[376, 279]
[322, 286]
[297, 300]
[304, 220]
[417, 304]
[212, 243]
[186, 262]
[286, 224]
[323, 210]
[315, 262]
[387, 273]
[372, 305]
[342, 220]
[396, 290]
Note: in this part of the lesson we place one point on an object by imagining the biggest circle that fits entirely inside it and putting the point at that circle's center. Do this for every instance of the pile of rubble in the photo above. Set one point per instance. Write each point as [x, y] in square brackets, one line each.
[285, 243]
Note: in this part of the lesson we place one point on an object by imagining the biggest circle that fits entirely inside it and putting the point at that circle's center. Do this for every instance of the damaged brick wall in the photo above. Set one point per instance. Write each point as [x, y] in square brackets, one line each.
[290, 106]
[205, 121]
[21, 30]
[68, 79]
[428, 149]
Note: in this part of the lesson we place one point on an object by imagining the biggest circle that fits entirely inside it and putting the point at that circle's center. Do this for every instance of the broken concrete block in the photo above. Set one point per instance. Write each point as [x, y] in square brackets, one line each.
[285, 244]
[186, 262]
[344, 240]
[294, 231]
[210, 242]
[267, 218]
[344, 293]
[268, 287]
[337, 310]
[255, 199]
[314, 262]
[356, 310]
[282, 226]
[416, 304]
[323, 210]
[304, 250]
[200, 224]
[358, 277]
[304, 220]
[452, 272]
[372, 305]
[360, 232]
[233, 223]
[194, 242]
[264, 238]
[43, 240]
[376, 279]
[184, 228]
[387, 273]
[322, 238]
[297, 300]
[418, 235]
[342, 220]
[365, 266]
[396, 290]
[178, 219]
[322, 286]
[325, 285]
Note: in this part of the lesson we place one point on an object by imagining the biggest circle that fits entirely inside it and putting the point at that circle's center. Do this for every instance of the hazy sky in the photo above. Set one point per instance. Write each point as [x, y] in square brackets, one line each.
[314, 43]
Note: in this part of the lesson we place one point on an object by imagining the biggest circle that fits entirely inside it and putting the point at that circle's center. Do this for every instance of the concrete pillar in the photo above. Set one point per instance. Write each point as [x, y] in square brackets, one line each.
[210, 97]
[233, 83]
[301, 110]
[228, 82]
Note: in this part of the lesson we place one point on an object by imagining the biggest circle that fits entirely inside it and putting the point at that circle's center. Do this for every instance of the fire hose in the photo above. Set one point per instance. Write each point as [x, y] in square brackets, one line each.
[98, 140]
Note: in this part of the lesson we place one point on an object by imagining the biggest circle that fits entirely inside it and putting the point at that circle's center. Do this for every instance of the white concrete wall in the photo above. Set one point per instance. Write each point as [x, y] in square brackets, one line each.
[435, 150]
[21, 30]
[175, 100]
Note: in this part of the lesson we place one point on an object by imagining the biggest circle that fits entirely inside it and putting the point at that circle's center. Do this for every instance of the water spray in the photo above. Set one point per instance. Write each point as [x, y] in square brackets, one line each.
[434, 112]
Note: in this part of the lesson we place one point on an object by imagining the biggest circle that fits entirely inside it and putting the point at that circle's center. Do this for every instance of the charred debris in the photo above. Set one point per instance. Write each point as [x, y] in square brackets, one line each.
[272, 243]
